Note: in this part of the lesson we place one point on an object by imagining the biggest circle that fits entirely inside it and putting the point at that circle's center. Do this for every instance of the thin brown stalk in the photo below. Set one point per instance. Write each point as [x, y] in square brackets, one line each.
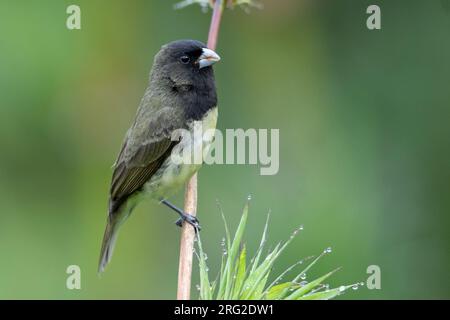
[190, 199]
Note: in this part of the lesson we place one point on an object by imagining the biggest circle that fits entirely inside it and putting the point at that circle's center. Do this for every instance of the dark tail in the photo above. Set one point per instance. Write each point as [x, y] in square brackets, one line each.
[109, 240]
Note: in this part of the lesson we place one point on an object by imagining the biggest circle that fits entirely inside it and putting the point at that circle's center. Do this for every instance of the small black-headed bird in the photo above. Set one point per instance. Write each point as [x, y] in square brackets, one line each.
[180, 95]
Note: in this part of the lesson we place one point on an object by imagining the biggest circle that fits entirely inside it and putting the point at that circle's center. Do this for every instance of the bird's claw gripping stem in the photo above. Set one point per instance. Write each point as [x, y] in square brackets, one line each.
[193, 221]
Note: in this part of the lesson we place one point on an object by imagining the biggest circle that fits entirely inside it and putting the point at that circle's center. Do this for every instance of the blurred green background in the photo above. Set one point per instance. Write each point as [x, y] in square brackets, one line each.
[364, 129]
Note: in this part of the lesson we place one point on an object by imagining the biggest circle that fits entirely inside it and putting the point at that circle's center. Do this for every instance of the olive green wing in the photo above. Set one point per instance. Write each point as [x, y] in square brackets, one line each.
[147, 145]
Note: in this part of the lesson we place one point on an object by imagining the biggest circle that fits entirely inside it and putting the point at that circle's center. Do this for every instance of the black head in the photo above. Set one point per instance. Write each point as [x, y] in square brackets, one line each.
[182, 77]
[185, 62]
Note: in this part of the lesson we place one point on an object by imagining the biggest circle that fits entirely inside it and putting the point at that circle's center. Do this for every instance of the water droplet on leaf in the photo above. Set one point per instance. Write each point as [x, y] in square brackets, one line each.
[327, 250]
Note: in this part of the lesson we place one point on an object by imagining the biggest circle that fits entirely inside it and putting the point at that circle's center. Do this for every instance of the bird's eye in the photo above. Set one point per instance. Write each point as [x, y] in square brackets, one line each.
[185, 59]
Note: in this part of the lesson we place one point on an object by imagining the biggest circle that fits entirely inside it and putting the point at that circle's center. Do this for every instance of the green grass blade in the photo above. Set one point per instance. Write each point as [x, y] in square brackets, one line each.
[322, 295]
[274, 292]
[303, 272]
[308, 287]
[255, 260]
[259, 274]
[280, 277]
[240, 274]
[258, 293]
[225, 223]
[227, 283]
[205, 286]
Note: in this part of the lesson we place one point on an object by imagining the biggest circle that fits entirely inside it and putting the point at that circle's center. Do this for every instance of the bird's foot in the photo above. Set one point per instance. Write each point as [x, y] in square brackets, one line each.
[193, 221]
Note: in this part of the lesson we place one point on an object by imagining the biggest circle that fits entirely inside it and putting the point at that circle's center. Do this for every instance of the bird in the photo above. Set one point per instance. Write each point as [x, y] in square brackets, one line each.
[181, 95]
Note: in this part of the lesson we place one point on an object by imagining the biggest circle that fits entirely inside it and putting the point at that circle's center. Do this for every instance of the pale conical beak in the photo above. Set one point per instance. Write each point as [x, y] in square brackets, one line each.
[207, 58]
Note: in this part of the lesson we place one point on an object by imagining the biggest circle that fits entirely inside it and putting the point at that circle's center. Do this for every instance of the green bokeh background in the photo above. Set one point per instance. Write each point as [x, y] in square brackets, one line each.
[364, 151]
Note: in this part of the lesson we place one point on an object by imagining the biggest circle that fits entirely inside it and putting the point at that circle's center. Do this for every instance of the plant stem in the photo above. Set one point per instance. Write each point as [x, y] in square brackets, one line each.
[215, 24]
[187, 242]
[190, 198]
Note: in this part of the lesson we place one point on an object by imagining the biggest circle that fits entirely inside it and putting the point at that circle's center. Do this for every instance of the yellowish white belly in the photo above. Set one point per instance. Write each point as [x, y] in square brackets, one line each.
[174, 174]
